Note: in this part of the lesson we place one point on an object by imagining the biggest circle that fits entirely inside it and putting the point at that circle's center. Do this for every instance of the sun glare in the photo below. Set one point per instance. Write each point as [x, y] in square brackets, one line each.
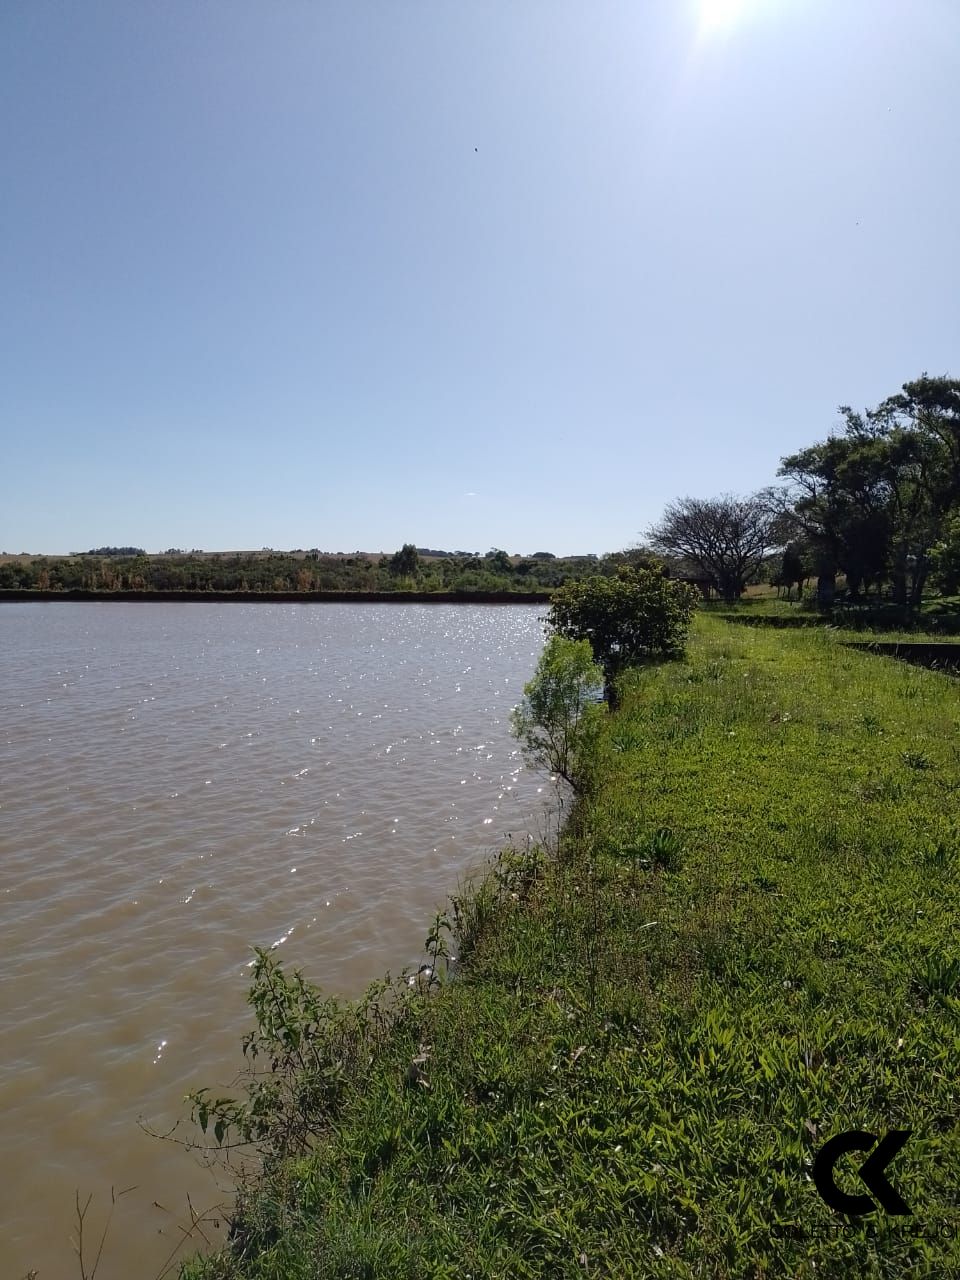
[718, 14]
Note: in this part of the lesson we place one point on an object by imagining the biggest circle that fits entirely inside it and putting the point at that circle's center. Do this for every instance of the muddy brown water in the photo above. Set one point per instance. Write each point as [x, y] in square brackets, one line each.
[178, 783]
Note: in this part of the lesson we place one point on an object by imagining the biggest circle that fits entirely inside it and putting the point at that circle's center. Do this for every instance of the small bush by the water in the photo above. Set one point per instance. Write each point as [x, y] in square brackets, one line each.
[303, 1054]
[558, 719]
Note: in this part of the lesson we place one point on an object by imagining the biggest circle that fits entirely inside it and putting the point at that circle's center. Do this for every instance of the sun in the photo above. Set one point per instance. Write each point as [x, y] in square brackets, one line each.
[715, 15]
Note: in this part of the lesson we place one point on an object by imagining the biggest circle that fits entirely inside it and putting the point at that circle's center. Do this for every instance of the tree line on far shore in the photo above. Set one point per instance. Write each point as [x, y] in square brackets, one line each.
[113, 569]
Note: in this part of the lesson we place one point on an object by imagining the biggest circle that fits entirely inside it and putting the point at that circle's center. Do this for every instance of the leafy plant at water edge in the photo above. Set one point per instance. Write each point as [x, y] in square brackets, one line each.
[559, 718]
[304, 1053]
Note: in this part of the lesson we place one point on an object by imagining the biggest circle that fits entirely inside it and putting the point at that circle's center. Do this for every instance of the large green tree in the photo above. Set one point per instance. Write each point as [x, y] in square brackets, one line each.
[838, 504]
[922, 423]
[872, 500]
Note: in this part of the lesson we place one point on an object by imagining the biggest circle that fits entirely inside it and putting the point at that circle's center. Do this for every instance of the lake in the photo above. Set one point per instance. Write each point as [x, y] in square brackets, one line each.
[179, 783]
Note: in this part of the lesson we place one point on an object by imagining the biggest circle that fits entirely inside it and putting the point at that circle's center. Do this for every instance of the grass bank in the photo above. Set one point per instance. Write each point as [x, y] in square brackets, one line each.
[938, 615]
[745, 944]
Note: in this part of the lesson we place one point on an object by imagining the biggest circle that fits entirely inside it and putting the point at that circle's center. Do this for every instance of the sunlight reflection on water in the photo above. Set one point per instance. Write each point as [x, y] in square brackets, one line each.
[159, 765]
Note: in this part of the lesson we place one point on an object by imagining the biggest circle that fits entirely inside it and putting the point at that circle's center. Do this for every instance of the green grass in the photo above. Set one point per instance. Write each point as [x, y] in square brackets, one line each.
[752, 602]
[939, 616]
[746, 943]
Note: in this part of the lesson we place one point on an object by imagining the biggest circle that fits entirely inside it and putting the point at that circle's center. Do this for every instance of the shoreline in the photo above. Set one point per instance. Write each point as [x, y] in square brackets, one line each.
[550, 1112]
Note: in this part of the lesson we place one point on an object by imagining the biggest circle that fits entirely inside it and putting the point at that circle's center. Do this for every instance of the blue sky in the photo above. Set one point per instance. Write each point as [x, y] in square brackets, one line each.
[307, 273]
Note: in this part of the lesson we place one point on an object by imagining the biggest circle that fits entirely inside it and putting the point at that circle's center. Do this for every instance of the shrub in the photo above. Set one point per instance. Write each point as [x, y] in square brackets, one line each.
[639, 616]
[559, 714]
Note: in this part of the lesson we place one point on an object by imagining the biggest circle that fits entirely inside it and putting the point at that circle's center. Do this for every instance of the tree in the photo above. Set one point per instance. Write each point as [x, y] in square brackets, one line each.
[405, 562]
[633, 557]
[931, 407]
[945, 557]
[873, 500]
[793, 569]
[922, 428]
[114, 551]
[559, 715]
[636, 617]
[838, 503]
[498, 561]
[724, 538]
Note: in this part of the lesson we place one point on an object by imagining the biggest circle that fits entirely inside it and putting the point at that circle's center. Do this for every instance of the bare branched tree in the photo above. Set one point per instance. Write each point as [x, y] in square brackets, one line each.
[724, 538]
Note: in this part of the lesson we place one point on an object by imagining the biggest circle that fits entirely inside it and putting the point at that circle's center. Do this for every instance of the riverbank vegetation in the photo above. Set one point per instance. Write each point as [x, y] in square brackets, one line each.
[742, 942]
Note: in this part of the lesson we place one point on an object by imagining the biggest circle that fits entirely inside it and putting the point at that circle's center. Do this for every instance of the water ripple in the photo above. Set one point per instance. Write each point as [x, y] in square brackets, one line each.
[181, 782]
